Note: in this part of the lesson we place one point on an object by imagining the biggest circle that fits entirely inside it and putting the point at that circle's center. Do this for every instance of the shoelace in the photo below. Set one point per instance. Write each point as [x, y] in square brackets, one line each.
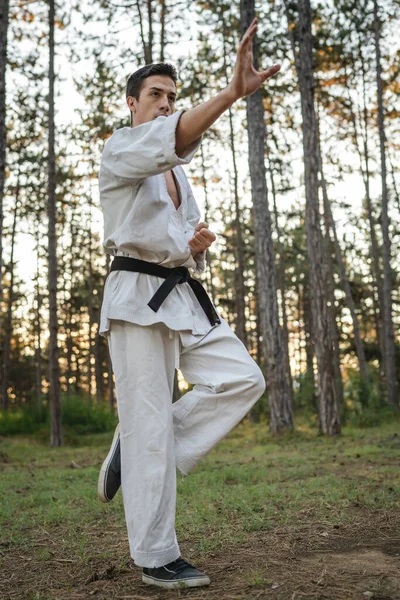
[178, 565]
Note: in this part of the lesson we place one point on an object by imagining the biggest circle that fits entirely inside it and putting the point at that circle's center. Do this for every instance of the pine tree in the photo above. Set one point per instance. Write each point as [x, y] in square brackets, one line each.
[277, 377]
[54, 369]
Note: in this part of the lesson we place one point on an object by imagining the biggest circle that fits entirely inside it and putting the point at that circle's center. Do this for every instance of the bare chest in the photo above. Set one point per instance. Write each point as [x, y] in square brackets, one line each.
[172, 188]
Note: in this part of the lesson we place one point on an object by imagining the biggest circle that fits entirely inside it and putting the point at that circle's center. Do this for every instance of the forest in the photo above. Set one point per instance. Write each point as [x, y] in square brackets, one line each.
[298, 181]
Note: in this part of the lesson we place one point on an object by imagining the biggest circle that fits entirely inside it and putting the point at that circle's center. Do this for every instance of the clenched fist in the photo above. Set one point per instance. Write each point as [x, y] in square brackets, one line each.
[202, 239]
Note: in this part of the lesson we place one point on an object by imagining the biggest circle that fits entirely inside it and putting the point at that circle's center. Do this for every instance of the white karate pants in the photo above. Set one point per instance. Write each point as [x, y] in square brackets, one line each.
[158, 436]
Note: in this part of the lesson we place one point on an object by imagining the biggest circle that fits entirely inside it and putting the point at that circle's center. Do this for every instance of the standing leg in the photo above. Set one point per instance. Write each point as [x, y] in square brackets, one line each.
[227, 383]
[143, 364]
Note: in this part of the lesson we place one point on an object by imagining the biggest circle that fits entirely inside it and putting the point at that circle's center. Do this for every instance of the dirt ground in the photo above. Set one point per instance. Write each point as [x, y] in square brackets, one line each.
[312, 561]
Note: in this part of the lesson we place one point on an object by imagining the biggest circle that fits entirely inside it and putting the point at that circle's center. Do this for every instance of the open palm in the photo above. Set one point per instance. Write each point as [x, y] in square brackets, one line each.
[246, 78]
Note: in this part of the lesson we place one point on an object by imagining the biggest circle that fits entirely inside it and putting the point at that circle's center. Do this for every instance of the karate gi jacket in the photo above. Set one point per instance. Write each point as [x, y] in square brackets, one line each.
[140, 220]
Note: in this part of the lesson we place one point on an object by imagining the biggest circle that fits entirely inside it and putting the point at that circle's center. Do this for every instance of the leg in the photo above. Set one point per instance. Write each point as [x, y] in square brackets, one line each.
[227, 384]
[143, 364]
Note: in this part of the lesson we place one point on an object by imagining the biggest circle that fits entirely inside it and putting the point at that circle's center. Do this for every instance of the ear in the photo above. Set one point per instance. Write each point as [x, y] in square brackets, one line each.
[131, 102]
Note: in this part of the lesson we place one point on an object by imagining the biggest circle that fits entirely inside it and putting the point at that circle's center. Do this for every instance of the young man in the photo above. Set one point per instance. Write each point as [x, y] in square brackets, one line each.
[158, 318]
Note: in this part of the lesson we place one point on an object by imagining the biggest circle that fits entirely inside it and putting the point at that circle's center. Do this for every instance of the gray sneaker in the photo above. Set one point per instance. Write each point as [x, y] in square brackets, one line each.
[110, 473]
[176, 574]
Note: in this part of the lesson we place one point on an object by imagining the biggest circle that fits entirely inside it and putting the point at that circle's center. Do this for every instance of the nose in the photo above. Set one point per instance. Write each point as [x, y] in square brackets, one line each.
[164, 103]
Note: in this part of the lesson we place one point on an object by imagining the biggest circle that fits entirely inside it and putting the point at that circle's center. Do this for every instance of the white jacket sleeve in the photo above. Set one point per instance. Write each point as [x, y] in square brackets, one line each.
[193, 218]
[134, 153]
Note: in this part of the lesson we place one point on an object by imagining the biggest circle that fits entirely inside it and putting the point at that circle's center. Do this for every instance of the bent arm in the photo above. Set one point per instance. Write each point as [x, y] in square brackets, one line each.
[246, 80]
[194, 122]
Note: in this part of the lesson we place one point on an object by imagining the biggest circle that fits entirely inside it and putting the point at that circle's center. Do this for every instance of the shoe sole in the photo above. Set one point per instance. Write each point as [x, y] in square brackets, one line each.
[179, 583]
[101, 492]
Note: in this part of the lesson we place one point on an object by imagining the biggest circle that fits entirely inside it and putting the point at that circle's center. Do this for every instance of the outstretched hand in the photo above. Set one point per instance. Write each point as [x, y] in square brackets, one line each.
[202, 239]
[246, 78]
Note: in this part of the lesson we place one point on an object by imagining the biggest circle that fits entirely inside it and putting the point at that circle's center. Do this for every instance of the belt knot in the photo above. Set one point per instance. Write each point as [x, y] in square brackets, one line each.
[183, 273]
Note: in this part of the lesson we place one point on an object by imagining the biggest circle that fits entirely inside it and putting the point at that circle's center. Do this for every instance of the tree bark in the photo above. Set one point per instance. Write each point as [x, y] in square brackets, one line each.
[240, 290]
[374, 249]
[332, 313]
[110, 382]
[281, 279]
[209, 260]
[277, 378]
[147, 49]
[4, 9]
[388, 332]
[150, 18]
[330, 224]
[365, 172]
[10, 300]
[309, 340]
[98, 355]
[54, 369]
[38, 328]
[163, 17]
[328, 401]
[90, 312]
[68, 309]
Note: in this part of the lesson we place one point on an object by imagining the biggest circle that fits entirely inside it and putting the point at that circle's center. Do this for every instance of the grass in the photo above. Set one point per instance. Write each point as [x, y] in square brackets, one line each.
[250, 487]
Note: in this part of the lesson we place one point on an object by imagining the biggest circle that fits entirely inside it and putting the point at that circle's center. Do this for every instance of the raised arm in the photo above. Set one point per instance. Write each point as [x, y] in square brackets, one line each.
[246, 80]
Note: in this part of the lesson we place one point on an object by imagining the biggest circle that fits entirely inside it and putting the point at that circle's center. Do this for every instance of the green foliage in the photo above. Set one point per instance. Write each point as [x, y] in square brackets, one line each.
[26, 419]
[84, 417]
[78, 417]
[364, 405]
[304, 393]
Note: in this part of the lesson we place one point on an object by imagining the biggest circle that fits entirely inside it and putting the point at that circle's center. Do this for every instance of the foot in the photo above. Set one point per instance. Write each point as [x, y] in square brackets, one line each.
[110, 472]
[177, 574]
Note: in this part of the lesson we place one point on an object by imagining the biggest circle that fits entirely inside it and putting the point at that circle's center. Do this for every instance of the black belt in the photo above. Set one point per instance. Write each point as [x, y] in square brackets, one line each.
[172, 278]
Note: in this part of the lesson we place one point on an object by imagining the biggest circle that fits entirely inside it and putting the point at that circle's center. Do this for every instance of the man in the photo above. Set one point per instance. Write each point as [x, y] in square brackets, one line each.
[158, 318]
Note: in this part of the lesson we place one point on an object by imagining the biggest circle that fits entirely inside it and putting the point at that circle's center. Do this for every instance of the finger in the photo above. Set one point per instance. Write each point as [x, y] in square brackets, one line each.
[206, 234]
[249, 34]
[200, 226]
[203, 240]
[195, 240]
[269, 72]
[247, 39]
[198, 247]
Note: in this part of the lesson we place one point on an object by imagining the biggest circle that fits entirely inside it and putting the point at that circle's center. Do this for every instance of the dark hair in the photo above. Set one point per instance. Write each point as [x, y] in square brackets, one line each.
[135, 81]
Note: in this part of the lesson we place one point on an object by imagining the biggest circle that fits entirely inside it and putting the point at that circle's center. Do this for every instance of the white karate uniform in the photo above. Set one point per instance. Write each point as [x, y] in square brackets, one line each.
[140, 220]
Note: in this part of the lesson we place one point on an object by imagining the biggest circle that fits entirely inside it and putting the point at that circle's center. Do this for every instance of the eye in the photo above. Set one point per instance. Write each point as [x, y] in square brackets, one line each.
[154, 93]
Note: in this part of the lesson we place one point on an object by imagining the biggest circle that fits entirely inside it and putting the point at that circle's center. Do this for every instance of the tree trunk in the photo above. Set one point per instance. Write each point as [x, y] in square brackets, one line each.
[240, 290]
[147, 49]
[388, 333]
[330, 224]
[332, 313]
[209, 260]
[328, 401]
[150, 41]
[10, 300]
[162, 34]
[277, 379]
[54, 369]
[38, 328]
[98, 367]
[90, 312]
[374, 250]
[4, 9]
[110, 382]
[309, 340]
[281, 279]
[68, 311]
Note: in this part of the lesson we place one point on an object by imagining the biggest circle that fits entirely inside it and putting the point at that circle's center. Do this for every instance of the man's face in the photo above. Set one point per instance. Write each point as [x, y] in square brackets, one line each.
[157, 98]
